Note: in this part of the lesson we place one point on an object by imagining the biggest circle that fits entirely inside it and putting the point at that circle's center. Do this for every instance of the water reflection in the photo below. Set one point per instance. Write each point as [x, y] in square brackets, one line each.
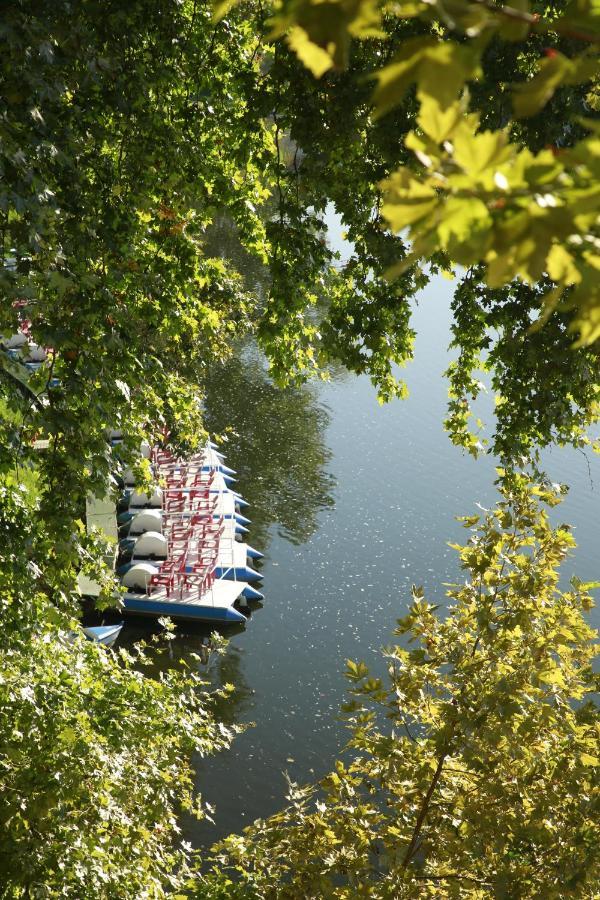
[276, 445]
[222, 240]
[229, 668]
[194, 649]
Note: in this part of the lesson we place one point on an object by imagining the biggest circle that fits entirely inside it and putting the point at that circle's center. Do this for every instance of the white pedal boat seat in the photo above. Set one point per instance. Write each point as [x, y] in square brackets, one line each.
[15, 341]
[138, 576]
[151, 544]
[36, 354]
[140, 499]
[128, 477]
[146, 520]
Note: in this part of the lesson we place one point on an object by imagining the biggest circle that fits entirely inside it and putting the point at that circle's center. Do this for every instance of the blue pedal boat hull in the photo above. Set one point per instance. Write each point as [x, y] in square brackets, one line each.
[237, 573]
[184, 611]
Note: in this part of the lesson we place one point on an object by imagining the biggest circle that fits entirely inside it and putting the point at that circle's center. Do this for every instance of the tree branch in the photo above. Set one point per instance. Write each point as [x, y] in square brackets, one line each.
[536, 23]
[424, 810]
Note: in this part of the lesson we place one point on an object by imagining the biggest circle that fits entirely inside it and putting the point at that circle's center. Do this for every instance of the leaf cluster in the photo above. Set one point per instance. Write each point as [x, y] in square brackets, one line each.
[96, 753]
[471, 770]
[476, 148]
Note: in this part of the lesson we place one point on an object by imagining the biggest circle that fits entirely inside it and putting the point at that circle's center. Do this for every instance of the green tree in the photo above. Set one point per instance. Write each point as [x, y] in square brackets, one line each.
[95, 763]
[447, 136]
[473, 770]
[119, 127]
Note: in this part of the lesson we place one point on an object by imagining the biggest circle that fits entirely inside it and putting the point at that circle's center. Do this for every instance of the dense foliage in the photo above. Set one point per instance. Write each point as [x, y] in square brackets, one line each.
[472, 771]
[489, 164]
[111, 157]
[95, 762]
[127, 132]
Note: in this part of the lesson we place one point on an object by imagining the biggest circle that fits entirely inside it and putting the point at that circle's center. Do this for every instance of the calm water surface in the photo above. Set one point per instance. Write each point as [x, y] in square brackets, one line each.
[351, 503]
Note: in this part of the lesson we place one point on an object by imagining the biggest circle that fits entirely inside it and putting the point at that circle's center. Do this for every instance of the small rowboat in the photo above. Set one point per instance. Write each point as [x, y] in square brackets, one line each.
[103, 634]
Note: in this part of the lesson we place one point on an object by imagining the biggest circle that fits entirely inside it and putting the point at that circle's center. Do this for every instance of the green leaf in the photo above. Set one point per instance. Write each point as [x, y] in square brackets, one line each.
[406, 200]
[320, 33]
[513, 29]
[476, 153]
[465, 221]
[439, 68]
[531, 96]
[394, 79]
[315, 58]
[562, 266]
[436, 121]
[221, 9]
[444, 71]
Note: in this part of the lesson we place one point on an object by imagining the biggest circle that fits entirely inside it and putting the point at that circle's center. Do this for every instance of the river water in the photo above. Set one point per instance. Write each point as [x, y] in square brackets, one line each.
[351, 504]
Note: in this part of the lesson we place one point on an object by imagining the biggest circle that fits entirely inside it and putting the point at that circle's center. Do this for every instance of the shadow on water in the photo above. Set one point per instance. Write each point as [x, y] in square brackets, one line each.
[192, 649]
[276, 445]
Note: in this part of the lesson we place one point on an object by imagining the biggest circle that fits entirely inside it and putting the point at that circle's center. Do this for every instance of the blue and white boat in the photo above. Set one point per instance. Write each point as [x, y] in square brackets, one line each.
[215, 604]
[144, 549]
[103, 634]
[151, 546]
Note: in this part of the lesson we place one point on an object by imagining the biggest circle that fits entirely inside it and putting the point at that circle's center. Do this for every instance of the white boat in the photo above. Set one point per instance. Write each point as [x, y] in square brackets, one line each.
[145, 530]
[103, 634]
[232, 561]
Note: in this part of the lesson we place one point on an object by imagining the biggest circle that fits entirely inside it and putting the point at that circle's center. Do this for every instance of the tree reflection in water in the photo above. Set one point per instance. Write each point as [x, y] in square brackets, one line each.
[276, 444]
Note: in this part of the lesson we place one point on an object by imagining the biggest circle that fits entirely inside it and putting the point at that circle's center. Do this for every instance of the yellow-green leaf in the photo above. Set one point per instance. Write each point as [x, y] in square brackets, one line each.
[531, 96]
[516, 29]
[394, 79]
[406, 200]
[465, 221]
[315, 58]
[562, 266]
[477, 152]
[437, 122]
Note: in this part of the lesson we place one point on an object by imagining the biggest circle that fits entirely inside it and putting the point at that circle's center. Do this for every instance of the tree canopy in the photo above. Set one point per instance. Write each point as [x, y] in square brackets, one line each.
[128, 132]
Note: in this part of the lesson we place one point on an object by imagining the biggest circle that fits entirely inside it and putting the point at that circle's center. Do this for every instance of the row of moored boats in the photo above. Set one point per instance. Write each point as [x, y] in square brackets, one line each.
[182, 551]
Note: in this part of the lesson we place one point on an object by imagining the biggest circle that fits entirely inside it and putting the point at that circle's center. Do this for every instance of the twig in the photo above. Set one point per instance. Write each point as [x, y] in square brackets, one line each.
[536, 23]
[424, 809]
[278, 148]
[585, 456]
